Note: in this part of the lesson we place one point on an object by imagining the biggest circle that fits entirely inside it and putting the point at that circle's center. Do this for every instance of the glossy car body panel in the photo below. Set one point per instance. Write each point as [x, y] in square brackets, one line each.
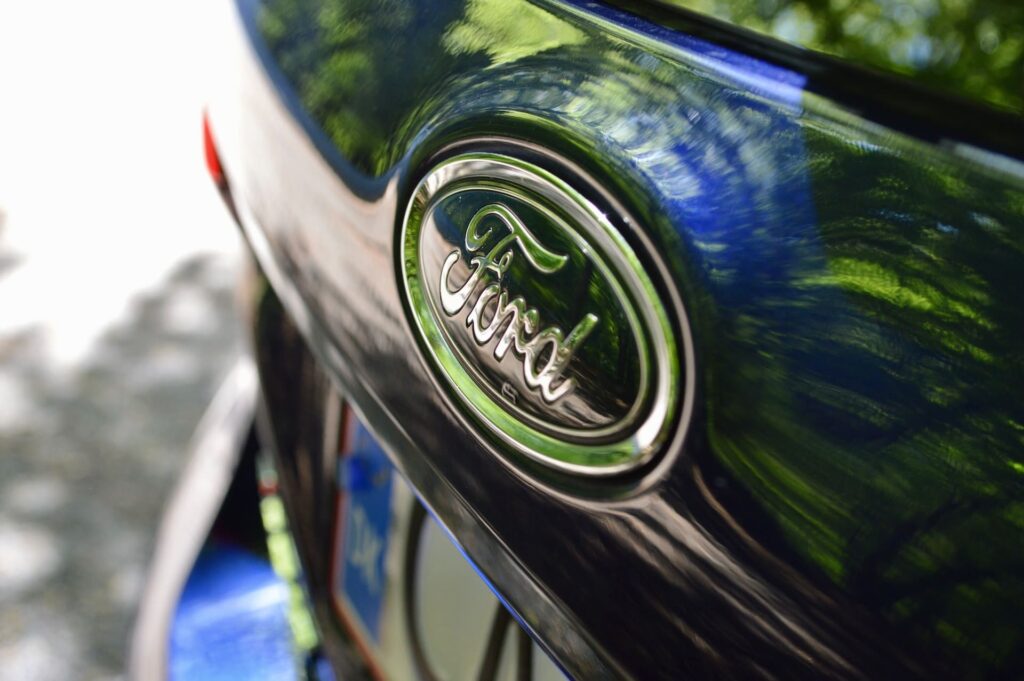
[847, 501]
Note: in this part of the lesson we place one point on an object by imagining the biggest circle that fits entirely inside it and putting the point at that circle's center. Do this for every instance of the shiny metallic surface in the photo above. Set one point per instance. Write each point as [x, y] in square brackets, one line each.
[846, 500]
[596, 398]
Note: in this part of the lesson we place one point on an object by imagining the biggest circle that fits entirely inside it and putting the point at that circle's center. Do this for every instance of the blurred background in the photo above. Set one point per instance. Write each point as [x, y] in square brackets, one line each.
[117, 267]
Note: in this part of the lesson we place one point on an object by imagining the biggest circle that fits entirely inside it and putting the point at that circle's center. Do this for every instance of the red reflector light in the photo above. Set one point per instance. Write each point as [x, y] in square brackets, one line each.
[212, 159]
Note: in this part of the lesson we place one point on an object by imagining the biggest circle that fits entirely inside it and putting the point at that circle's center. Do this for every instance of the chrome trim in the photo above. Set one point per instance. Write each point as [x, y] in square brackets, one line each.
[634, 438]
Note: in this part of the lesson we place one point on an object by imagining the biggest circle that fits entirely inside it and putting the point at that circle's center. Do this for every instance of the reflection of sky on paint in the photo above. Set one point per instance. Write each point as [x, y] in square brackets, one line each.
[115, 275]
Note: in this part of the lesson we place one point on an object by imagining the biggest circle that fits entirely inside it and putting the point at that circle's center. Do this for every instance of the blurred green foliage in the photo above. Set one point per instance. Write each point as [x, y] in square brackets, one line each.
[973, 48]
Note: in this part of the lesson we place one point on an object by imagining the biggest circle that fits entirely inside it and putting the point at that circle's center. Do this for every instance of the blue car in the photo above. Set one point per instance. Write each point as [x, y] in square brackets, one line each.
[617, 339]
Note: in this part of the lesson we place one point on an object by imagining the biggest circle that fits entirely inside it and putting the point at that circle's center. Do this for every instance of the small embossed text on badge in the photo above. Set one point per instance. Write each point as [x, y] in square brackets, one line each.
[509, 392]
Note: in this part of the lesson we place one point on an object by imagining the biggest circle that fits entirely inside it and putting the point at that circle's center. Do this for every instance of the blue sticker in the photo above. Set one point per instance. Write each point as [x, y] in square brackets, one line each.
[366, 483]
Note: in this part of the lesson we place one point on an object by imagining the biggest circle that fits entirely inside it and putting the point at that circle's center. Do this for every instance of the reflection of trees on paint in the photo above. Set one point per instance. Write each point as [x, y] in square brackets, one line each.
[363, 67]
[880, 418]
[360, 66]
[971, 47]
[858, 307]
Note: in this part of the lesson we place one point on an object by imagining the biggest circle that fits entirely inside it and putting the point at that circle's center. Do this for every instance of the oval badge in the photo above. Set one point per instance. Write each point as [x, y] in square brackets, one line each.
[540, 316]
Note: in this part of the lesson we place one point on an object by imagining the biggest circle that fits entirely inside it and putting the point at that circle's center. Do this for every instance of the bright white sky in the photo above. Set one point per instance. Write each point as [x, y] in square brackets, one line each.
[102, 178]
[103, 192]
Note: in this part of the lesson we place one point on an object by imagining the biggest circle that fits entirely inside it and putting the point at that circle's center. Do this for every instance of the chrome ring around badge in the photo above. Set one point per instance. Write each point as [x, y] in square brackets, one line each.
[539, 315]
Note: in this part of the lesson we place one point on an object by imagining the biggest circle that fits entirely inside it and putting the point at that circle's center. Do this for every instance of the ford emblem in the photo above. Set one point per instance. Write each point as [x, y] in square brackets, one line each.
[539, 315]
